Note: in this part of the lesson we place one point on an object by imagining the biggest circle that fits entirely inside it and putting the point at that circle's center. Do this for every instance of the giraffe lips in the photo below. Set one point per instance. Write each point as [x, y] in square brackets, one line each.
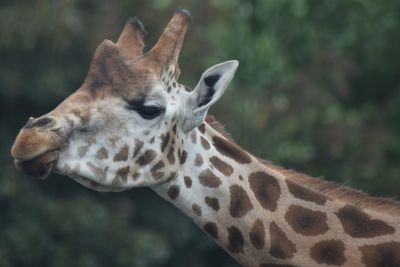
[40, 166]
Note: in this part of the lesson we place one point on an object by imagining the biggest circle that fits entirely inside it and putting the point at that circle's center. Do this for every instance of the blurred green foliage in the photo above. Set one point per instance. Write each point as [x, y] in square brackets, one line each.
[318, 90]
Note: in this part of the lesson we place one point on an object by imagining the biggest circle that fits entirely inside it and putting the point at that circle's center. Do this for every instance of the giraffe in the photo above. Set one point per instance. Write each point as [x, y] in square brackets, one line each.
[132, 124]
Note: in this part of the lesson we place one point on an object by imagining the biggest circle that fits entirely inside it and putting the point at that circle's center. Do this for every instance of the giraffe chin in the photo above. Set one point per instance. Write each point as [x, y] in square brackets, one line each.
[39, 167]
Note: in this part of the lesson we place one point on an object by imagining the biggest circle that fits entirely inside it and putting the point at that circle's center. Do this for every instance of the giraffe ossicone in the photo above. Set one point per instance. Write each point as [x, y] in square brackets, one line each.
[132, 124]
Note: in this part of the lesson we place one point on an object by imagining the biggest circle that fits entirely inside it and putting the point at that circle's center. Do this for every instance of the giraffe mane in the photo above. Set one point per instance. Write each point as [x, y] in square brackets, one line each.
[341, 192]
[335, 191]
[219, 127]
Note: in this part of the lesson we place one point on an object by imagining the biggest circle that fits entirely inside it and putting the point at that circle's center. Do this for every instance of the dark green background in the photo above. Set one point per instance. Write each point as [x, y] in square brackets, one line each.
[318, 90]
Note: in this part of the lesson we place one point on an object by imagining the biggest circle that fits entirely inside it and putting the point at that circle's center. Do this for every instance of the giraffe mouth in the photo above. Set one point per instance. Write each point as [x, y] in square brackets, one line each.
[40, 166]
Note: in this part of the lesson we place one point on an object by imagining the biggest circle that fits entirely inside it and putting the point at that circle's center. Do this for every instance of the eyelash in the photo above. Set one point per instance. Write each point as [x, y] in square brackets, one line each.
[146, 112]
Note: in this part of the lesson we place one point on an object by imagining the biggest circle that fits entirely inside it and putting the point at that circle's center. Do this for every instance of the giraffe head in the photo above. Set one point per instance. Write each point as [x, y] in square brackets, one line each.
[125, 126]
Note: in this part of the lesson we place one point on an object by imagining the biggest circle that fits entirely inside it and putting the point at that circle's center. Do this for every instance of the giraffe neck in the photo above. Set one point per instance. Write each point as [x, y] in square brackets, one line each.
[262, 218]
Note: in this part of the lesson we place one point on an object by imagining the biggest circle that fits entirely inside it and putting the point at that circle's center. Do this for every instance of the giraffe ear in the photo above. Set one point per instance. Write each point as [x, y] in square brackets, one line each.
[208, 90]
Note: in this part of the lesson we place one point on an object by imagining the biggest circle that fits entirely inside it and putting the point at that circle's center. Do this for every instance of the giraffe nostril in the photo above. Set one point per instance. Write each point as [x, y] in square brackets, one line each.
[39, 123]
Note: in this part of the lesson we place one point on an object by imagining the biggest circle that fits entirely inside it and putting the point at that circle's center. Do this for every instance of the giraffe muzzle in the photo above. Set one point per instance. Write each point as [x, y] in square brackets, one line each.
[36, 148]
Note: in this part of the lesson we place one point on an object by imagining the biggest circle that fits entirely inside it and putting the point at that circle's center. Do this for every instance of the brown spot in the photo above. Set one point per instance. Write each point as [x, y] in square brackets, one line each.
[221, 165]
[202, 128]
[240, 203]
[330, 252]
[102, 153]
[159, 165]
[381, 255]
[122, 155]
[135, 175]
[76, 112]
[122, 173]
[197, 210]
[240, 178]
[204, 143]
[235, 240]
[183, 157]
[194, 137]
[257, 234]
[281, 247]
[231, 150]
[306, 194]
[155, 170]
[266, 189]
[171, 155]
[208, 179]
[358, 224]
[173, 192]
[157, 175]
[82, 150]
[138, 147]
[212, 202]
[198, 160]
[96, 170]
[146, 158]
[164, 142]
[84, 116]
[188, 181]
[212, 229]
[305, 221]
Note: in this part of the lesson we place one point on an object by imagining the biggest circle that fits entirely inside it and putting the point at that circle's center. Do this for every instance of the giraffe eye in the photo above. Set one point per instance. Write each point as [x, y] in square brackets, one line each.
[146, 112]
[149, 112]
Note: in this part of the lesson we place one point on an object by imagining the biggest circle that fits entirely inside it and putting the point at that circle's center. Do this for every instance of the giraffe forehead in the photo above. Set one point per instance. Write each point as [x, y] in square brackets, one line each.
[109, 73]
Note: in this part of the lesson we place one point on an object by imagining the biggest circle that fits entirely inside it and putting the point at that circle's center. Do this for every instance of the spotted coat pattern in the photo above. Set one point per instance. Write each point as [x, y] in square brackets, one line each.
[264, 219]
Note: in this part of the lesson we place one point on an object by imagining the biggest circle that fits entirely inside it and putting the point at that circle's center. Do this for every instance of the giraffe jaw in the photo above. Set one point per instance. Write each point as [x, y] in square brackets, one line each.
[39, 166]
[89, 183]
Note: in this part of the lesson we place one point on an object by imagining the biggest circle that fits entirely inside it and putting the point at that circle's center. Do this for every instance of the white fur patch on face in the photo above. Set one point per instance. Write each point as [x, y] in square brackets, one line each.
[120, 149]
